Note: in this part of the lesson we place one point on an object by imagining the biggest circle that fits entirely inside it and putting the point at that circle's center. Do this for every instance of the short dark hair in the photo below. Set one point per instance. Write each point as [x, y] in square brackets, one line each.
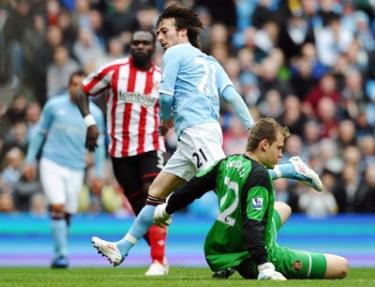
[264, 128]
[79, 73]
[184, 19]
[147, 31]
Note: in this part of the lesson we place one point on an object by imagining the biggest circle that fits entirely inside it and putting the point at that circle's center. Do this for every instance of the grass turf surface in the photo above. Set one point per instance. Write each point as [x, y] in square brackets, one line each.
[178, 277]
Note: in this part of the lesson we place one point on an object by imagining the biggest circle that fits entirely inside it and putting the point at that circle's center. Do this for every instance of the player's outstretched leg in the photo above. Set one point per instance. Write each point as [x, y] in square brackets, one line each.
[297, 169]
[116, 252]
[108, 250]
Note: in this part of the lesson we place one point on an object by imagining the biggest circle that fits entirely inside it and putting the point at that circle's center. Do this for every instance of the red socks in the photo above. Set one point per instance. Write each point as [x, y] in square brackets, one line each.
[157, 236]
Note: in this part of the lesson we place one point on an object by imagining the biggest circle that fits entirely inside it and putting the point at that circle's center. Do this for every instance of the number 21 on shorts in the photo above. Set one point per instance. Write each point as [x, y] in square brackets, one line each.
[199, 158]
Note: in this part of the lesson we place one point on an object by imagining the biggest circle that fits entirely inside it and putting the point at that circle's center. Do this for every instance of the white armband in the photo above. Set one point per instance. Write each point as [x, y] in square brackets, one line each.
[89, 120]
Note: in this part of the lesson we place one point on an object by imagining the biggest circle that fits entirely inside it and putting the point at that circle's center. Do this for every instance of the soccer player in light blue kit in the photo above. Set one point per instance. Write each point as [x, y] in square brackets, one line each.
[191, 87]
[61, 135]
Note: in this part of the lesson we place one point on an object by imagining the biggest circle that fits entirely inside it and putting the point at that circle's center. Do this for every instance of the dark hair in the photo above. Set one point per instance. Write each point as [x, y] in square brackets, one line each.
[79, 73]
[265, 128]
[184, 19]
[147, 31]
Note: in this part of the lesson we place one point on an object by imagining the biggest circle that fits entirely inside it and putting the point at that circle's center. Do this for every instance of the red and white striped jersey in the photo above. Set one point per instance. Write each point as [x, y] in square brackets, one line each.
[132, 106]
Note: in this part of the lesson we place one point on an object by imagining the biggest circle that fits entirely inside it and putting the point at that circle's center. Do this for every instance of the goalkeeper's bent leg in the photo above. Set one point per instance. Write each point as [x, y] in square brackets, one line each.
[140, 226]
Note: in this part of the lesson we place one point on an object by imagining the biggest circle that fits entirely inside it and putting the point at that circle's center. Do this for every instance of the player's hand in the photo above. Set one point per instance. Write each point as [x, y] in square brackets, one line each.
[165, 125]
[28, 172]
[92, 136]
[161, 217]
[267, 272]
[96, 185]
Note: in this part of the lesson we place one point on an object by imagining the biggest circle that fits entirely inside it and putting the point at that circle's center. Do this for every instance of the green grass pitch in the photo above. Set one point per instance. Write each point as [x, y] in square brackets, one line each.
[178, 277]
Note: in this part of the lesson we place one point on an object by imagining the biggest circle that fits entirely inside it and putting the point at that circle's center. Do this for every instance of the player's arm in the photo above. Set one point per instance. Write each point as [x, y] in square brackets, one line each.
[99, 155]
[42, 129]
[92, 85]
[239, 106]
[92, 129]
[254, 217]
[37, 141]
[170, 67]
[203, 182]
[97, 181]
[258, 188]
[228, 92]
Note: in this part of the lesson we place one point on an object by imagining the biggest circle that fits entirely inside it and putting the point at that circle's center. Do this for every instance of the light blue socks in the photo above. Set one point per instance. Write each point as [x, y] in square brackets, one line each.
[285, 170]
[138, 229]
[60, 237]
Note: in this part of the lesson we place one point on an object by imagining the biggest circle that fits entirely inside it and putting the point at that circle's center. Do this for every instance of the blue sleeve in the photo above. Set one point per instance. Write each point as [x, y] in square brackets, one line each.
[34, 146]
[165, 102]
[238, 104]
[170, 67]
[42, 129]
[222, 79]
[99, 155]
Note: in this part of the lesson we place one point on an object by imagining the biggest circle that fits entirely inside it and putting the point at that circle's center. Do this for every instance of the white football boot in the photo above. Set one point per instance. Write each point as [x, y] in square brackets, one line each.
[305, 174]
[158, 269]
[108, 250]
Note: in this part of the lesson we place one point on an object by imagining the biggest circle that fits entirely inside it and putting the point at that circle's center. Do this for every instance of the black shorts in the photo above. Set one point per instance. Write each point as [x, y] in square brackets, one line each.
[134, 171]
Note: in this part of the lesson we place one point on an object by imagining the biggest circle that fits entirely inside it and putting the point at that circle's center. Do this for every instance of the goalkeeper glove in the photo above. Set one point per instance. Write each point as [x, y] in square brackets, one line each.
[161, 217]
[267, 272]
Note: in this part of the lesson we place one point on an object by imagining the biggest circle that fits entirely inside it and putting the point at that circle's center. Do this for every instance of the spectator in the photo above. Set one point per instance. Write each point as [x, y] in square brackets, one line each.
[366, 192]
[235, 137]
[59, 71]
[327, 116]
[292, 116]
[12, 169]
[268, 79]
[325, 89]
[44, 56]
[16, 137]
[295, 32]
[271, 106]
[367, 148]
[352, 102]
[262, 13]
[120, 20]
[6, 203]
[17, 110]
[302, 80]
[88, 50]
[346, 189]
[346, 134]
[32, 117]
[25, 189]
[319, 204]
[18, 20]
[332, 40]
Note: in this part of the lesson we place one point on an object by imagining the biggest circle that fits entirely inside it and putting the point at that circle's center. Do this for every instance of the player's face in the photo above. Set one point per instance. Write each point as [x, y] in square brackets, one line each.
[167, 34]
[142, 47]
[74, 86]
[275, 151]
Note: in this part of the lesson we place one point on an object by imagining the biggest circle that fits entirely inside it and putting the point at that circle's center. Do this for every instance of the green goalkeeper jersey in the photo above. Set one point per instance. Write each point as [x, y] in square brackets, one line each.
[245, 194]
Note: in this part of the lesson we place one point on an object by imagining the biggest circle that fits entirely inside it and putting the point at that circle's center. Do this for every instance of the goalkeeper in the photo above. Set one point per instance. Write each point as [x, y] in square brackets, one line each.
[243, 236]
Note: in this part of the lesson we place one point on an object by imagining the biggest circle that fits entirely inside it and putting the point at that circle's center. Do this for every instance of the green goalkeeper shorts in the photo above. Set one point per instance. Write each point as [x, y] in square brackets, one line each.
[298, 264]
[294, 263]
[291, 263]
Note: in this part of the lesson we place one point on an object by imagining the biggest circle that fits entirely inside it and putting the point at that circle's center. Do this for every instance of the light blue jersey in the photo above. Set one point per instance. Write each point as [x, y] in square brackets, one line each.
[191, 86]
[64, 131]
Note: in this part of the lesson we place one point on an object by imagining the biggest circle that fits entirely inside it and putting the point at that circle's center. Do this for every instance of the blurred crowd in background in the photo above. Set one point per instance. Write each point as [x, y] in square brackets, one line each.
[310, 64]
